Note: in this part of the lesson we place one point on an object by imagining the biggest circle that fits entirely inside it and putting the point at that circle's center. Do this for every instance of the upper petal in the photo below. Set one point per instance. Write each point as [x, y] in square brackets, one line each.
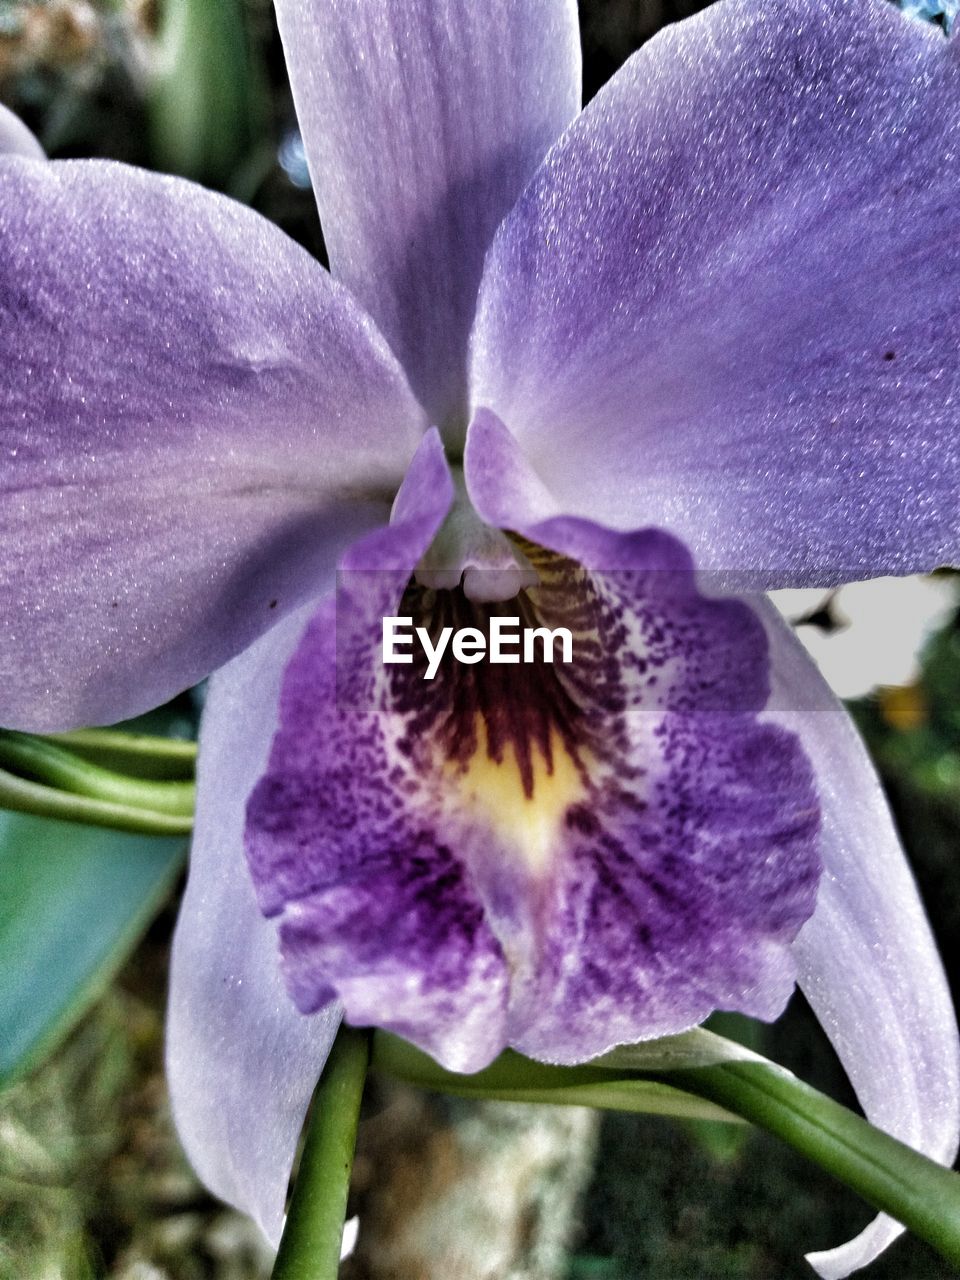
[242, 1062]
[194, 419]
[15, 138]
[867, 961]
[728, 302]
[423, 121]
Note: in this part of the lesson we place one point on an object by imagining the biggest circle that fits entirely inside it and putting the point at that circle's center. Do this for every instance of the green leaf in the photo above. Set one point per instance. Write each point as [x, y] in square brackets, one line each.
[74, 901]
[49, 763]
[24, 796]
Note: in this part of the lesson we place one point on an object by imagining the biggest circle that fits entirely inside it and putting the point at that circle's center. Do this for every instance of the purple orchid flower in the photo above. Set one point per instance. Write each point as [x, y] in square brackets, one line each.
[560, 359]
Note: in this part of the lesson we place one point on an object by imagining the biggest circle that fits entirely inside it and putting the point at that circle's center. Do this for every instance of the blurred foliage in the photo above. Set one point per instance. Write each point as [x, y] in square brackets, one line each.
[92, 1182]
[92, 1179]
[206, 96]
[75, 70]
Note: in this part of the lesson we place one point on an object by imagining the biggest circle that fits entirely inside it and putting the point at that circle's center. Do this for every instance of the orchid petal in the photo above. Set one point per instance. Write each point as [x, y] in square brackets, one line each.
[734, 275]
[561, 861]
[867, 961]
[15, 138]
[194, 420]
[241, 1061]
[423, 122]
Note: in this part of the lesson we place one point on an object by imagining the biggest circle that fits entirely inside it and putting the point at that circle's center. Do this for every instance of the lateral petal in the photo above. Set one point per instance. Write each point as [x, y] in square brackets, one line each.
[242, 1062]
[866, 959]
[194, 420]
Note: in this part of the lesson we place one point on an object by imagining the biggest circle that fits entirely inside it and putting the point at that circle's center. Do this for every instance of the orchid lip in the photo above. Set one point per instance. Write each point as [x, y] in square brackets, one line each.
[555, 856]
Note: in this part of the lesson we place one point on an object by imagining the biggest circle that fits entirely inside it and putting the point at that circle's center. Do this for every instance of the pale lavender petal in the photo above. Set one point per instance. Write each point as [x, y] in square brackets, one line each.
[501, 481]
[194, 420]
[423, 122]
[242, 1062]
[727, 304]
[15, 138]
[559, 859]
[867, 961]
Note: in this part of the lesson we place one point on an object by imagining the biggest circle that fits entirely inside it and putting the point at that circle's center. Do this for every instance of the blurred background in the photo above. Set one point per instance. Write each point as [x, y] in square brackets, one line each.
[92, 1180]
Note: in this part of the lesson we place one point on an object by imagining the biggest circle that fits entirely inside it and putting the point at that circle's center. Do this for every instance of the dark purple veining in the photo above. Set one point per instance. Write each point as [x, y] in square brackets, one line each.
[559, 857]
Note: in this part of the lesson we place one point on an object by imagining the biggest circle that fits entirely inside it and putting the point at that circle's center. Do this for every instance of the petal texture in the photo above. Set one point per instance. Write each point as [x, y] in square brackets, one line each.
[733, 276]
[423, 121]
[555, 858]
[242, 1062]
[194, 420]
[376, 908]
[867, 962]
[15, 138]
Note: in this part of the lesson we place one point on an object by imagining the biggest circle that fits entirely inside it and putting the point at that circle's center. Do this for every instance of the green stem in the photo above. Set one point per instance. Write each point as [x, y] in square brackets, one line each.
[46, 762]
[143, 754]
[24, 796]
[891, 1176]
[310, 1246]
[513, 1078]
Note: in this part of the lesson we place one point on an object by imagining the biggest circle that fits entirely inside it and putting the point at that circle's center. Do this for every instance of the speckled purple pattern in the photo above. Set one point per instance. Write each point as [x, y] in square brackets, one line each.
[559, 858]
[376, 907]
